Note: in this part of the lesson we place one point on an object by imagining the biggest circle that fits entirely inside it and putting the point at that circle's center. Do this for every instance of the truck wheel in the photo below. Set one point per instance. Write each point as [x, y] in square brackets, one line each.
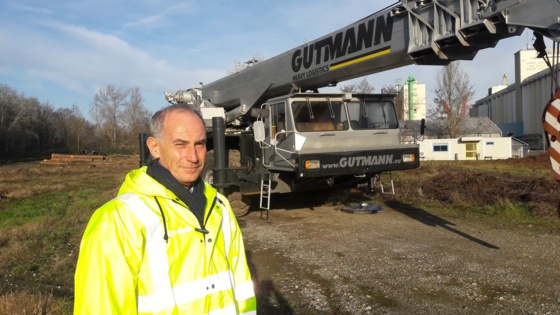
[240, 204]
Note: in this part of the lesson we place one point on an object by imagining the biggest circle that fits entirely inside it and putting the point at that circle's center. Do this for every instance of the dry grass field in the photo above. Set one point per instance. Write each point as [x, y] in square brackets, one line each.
[43, 212]
[45, 208]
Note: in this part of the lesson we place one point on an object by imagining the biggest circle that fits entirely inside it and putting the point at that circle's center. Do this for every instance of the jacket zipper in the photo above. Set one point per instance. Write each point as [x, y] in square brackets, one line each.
[203, 230]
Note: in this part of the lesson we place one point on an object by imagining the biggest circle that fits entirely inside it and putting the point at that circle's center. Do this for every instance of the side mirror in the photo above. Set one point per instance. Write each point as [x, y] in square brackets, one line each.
[262, 112]
[258, 130]
[422, 126]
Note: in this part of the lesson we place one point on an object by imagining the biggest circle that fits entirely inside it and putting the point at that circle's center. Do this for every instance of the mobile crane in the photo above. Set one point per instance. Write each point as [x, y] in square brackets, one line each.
[286, 137]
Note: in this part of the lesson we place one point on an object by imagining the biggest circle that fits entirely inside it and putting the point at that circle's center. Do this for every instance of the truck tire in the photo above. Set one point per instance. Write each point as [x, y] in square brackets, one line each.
[239, 203]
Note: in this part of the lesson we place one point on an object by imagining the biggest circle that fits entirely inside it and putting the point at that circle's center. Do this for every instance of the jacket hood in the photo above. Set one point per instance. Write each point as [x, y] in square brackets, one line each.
[138, 182]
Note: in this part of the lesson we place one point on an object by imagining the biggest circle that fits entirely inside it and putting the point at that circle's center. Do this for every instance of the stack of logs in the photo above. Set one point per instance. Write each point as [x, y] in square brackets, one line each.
[67, 159]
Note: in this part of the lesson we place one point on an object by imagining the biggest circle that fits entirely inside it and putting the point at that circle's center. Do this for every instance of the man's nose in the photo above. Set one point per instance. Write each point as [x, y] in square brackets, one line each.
[192, 154]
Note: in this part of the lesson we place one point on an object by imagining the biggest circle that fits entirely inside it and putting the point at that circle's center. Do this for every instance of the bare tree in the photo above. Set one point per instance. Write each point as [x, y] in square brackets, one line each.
[78, 130]
[136, 117]
[119, 116]
[8, 103]
[42, 127]
[74, 131]
[359, 87]
[15, 111]
[452, 93]
[106, 109]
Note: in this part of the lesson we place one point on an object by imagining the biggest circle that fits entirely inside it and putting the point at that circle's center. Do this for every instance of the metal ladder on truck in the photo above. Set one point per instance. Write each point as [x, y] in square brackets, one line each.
[381, 182]
[264, 200]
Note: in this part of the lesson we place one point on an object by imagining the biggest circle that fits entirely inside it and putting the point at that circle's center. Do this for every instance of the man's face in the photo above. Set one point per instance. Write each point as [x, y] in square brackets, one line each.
[182, 148]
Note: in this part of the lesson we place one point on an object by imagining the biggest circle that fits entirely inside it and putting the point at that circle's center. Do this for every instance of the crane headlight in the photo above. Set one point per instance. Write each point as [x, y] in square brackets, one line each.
[312, 164]
[407, 158]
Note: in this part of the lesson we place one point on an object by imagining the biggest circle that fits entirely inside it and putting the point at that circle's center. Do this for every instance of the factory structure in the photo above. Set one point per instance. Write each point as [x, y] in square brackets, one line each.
[517, 108]
[499, 126]
[414, 99]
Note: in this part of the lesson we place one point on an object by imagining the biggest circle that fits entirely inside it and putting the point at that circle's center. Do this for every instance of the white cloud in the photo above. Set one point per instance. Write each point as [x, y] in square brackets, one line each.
[29, 9]
[175, 11]
[81, 60]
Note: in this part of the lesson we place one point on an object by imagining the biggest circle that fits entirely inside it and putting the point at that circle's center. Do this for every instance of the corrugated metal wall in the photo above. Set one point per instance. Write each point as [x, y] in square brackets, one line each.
[536, 92]
[502, 106]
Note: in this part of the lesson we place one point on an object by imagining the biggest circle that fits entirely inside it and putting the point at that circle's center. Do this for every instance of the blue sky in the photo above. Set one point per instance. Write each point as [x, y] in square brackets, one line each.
[63, 52]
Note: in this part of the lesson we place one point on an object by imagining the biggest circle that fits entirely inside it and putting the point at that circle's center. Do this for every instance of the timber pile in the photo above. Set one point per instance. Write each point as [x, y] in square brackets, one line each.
[67, 159]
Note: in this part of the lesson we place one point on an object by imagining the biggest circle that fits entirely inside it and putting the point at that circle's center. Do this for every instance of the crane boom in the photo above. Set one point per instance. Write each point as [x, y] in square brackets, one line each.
[423, 32]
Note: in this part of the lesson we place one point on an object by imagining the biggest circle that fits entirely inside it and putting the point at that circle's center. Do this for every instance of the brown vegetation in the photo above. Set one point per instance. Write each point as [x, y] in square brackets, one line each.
[527, 182]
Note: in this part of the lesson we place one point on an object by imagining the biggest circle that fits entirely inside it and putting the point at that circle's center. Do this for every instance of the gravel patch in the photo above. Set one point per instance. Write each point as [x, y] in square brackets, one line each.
[325, 261]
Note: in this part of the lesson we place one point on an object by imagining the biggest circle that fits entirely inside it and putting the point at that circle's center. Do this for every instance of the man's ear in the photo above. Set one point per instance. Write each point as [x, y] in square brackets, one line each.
[153, 147]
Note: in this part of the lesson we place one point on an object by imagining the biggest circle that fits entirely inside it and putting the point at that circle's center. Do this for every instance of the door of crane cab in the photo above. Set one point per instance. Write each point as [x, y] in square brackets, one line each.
[281, 136]
[274, 132]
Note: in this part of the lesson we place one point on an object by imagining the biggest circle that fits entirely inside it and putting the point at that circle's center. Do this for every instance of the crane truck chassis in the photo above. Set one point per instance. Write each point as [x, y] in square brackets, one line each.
[302, 142]
[271, 131]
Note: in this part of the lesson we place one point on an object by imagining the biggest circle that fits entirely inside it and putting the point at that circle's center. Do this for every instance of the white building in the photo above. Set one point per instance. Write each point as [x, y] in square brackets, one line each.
[472, 148]
[482, 140]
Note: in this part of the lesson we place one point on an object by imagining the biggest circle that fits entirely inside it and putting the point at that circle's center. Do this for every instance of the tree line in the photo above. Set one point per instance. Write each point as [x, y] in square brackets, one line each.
[33, 129]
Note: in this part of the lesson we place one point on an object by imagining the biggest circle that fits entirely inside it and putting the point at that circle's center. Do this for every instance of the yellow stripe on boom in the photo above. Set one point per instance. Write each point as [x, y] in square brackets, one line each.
[364, 58]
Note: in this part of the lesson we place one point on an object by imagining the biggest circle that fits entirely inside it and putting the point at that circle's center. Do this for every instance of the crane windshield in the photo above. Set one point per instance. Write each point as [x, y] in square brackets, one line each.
[372, 115]
[322, 115]
[327, 115]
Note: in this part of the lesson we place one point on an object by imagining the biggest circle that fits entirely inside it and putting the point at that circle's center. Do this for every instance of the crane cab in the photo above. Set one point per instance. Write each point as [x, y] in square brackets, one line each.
[318, 135]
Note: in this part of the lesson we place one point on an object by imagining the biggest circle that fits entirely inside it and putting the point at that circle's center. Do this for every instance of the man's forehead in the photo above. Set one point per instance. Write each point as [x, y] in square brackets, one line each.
[180, 121]
[189, 138]
[183, 119]
[182, 113]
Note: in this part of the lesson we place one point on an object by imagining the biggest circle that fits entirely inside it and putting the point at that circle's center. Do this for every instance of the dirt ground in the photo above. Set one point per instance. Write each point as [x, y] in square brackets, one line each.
[404, 259]
[401, 260]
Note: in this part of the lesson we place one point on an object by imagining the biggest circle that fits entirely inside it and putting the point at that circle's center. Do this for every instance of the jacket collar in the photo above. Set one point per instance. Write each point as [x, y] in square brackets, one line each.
[193, 198]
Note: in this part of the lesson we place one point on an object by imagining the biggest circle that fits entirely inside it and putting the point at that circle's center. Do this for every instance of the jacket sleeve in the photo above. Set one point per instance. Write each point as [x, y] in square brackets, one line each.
[105, 279]
[244, 289]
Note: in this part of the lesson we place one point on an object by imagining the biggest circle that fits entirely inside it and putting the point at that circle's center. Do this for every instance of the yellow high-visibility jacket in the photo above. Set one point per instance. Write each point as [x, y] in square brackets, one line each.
[126, 266]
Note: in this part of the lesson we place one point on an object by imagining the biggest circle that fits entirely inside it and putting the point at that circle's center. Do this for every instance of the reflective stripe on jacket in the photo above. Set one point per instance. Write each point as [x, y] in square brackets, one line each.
[126, 266]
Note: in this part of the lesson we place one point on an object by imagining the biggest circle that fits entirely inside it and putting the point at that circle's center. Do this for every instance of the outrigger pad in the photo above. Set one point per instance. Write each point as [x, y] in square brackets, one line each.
[361, 208]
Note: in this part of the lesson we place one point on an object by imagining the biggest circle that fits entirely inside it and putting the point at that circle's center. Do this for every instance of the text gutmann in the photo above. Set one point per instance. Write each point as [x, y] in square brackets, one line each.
[353, 39]
[357, 161]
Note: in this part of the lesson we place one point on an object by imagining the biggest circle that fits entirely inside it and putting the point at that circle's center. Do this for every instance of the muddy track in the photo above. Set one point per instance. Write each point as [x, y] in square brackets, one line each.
[401, 260]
